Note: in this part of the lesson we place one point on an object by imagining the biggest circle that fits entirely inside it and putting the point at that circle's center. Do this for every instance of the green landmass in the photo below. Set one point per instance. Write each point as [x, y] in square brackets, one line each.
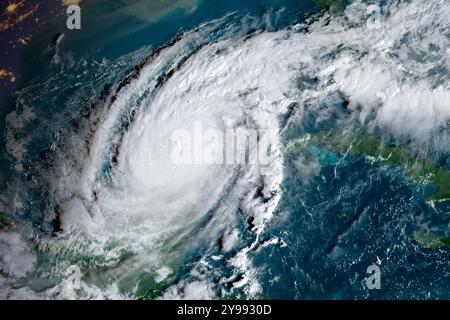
[416, 168]
[242, 296]
[233, 296]
[5, 221]
[430, 241]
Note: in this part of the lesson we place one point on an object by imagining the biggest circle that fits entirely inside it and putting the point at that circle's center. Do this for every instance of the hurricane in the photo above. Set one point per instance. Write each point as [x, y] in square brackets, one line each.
[357, 171]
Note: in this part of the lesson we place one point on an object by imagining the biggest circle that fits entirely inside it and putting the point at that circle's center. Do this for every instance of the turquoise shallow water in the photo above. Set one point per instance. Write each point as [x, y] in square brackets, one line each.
[328, 227]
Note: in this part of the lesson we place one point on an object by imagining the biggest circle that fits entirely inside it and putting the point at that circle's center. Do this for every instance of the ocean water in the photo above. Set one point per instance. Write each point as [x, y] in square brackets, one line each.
[89, 186]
